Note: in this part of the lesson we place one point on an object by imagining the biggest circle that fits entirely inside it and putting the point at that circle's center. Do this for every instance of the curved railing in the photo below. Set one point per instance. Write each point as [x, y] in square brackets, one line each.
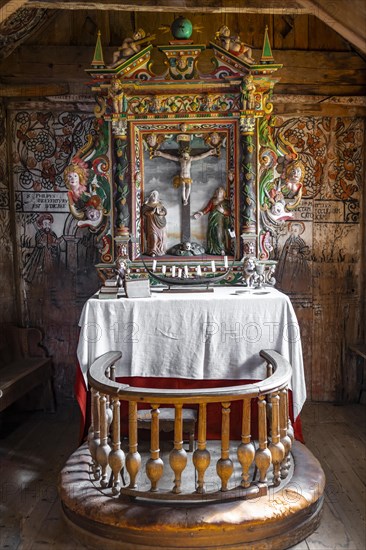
[259, 463]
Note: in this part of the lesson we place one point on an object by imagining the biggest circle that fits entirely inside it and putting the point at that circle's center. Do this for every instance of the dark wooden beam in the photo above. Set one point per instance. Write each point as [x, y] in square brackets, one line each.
[177, 6]
[34, 90]
[294, 108]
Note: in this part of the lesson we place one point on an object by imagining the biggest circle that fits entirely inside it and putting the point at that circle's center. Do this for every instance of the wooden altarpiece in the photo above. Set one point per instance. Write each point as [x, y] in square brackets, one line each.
[143, 123]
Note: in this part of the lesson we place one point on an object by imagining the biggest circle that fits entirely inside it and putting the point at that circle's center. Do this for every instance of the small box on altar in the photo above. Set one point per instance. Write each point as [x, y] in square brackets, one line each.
[137, 288]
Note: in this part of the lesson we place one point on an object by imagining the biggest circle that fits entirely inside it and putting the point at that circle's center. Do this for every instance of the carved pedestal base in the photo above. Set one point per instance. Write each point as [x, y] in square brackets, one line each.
[278, 520]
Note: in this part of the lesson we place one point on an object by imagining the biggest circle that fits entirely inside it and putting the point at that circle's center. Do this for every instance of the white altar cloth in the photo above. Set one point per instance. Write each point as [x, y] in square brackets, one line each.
[196, 335]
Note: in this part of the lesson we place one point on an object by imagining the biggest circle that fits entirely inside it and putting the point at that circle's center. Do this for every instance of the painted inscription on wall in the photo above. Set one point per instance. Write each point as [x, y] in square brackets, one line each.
[35, 201]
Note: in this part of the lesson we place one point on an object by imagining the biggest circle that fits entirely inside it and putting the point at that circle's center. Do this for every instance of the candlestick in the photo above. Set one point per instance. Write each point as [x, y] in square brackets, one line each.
[163, 269]
[186, 270]
[213, 267]
[226, 262]
[154, 265]
[179, 272]
[173, 270]
[198, 269]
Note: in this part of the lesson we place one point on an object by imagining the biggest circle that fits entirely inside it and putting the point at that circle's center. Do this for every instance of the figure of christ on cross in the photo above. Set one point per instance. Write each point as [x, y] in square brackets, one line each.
[185, 160]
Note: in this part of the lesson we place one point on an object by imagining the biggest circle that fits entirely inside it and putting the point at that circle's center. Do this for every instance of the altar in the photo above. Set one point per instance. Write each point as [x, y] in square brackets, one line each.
[207, 338]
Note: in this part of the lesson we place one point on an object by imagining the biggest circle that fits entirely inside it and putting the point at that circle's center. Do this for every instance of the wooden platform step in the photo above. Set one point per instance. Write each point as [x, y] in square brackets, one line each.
[276, 521]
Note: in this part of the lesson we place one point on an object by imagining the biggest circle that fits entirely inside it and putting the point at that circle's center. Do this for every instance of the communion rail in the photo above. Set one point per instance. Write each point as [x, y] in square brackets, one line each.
[270, 454]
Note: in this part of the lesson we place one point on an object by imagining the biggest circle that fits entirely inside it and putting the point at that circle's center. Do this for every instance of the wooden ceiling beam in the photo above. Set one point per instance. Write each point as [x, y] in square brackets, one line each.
[346, 18]
[349, 23]
[176, 6]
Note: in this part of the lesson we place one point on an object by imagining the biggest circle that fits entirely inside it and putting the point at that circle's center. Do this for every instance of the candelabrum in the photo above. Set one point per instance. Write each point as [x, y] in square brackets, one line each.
[257, 273]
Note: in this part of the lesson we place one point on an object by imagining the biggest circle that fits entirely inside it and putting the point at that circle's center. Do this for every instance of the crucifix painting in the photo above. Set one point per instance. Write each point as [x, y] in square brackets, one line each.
[185, 159]
[186, 165]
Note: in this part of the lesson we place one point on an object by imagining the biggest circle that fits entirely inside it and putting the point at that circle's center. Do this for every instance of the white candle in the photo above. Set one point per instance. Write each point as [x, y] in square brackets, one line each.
[226, 262]
[163, 269]
[173, 270]
[179, 272]
[198, 269]
[186, 270]
[213, 267]
[154, 265]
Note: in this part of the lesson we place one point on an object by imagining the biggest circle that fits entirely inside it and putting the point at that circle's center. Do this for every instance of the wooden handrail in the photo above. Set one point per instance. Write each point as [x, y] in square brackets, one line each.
[278, 380]
[273, 427]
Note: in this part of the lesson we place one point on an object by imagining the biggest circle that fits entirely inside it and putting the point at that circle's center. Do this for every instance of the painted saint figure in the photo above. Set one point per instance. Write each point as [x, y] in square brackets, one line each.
[46, 253]
[293, 272]
[185, 160]
[154, 214]
[219, 221]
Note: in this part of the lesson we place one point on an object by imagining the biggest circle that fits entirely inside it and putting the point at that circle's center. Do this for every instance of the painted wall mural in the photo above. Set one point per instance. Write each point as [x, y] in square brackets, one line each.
[56, 255]
[317, 247]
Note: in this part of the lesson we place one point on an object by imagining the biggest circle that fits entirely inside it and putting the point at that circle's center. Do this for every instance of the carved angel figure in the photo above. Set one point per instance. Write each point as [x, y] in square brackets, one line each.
[233, 44]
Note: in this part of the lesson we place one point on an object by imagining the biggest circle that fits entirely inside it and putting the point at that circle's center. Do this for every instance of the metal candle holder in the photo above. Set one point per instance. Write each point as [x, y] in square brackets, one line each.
[197, 280]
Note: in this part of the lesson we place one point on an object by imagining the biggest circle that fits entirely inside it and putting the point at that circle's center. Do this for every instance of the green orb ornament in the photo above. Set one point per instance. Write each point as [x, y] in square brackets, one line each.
[181, 28]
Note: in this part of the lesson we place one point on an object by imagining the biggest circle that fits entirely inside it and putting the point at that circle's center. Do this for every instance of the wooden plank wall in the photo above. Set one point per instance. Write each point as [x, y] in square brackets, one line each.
[316, 59]
[7, 287]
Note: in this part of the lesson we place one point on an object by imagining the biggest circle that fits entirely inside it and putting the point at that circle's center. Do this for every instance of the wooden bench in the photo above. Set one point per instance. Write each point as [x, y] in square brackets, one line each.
[24, 366]
[166, 422]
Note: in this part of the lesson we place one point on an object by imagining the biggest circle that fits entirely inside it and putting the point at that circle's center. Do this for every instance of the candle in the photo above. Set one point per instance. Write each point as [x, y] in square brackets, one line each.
[198, 269]
[226, 262]
[173, 270]
[154, 265]
[179, 272]
[186, 270]
[163, 269]
[213, 267]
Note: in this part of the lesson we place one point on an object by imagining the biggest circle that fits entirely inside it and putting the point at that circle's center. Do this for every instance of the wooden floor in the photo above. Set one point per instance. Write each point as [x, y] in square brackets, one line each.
[34, 447]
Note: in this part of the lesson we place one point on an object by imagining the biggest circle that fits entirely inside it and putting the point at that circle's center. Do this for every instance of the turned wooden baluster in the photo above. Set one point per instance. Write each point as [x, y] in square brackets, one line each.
[109, 411]
[133, 458]
[285, 438]
[116, 456]
[246, 449]
[269, 369]
[201, 456]
[178, 456]
[276, 447]
[94, 440]
[103, 449]
[290, 429]
[154, 466]
[90, 436]
[269, 403]
[262, 454]
[224, 466]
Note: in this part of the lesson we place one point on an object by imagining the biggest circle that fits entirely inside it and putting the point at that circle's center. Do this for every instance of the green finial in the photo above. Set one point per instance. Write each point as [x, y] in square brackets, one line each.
[98, 60]
[267, 56]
